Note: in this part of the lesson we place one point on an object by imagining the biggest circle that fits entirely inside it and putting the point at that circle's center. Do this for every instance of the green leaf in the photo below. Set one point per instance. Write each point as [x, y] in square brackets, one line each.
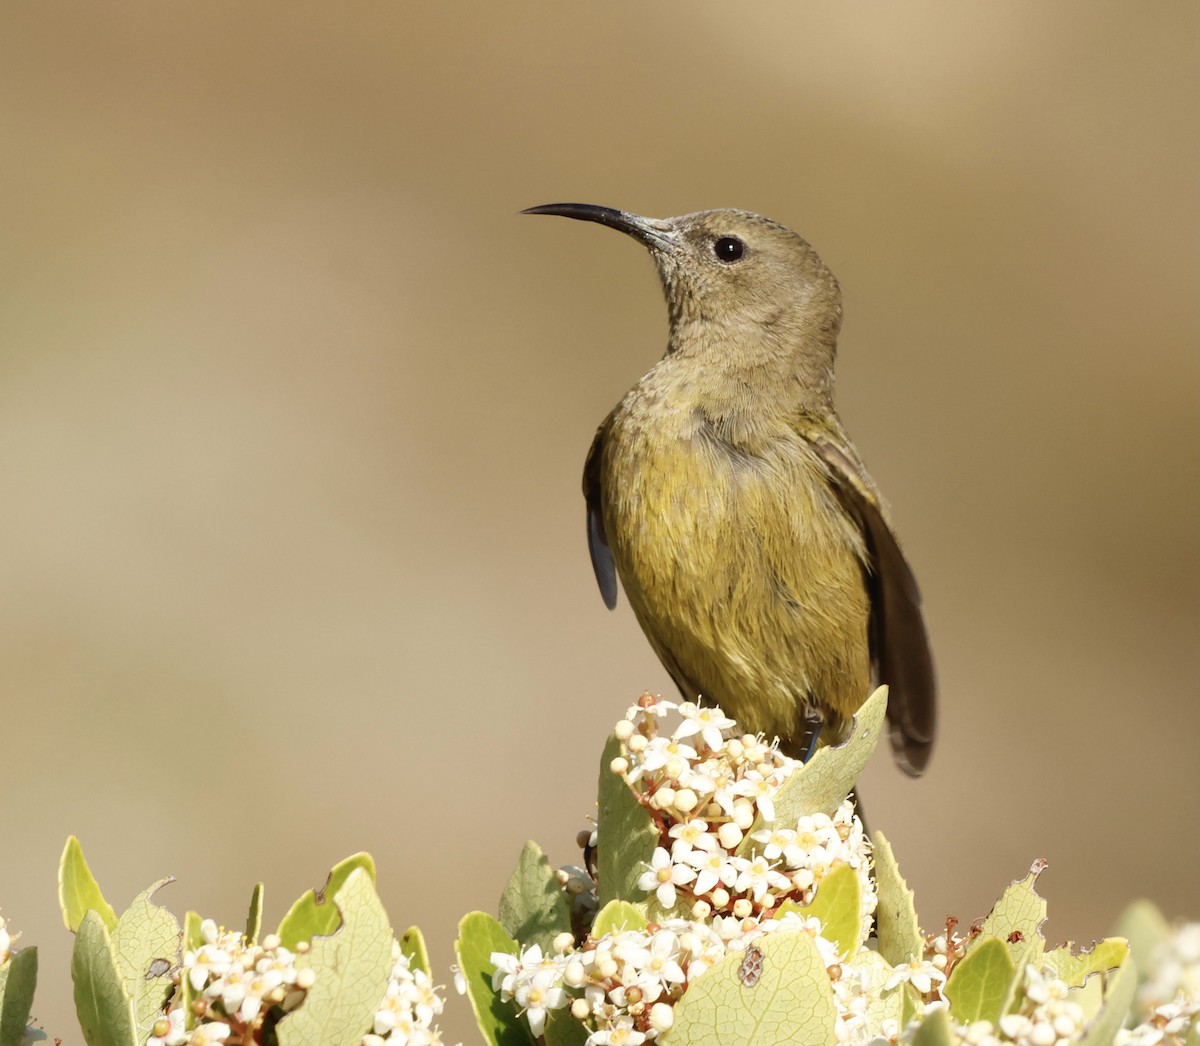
[78, 891]
[1144, 926]
[822, 784]
[18, 979]
[934, 1030]
[352, 968]
[314, 914]
[896, 926]
[104, 1010]
[1074, 969]
[838, 904]
[192, 940]
[790, 1001]
[1017, 918]
[979, 983]
[533, 908]
[254, 915]
[627, 835]
[479, 935]
[910, 1005]
[618, 915]
[1119, 987]
[1023, 952]
[412, 944]
[146, 945]
[192, 936]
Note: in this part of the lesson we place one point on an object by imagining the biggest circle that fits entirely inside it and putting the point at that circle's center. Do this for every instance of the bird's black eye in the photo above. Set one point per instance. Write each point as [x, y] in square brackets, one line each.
[729, 249]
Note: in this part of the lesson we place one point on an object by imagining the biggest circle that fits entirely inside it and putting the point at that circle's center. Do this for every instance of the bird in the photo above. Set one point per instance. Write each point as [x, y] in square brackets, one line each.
[723, 491]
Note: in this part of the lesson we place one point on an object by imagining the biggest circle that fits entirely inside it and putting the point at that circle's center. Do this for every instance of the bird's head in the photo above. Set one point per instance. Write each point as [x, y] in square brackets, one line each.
[733, 278]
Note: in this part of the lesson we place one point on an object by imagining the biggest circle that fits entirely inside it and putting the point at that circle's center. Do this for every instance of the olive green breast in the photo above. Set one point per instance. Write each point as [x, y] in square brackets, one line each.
[739, 562]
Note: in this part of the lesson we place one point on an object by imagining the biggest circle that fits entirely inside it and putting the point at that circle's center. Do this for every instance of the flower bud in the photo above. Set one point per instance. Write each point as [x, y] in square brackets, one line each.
[661, 1017]
[743, 812]
[686, 800]
[729, 835]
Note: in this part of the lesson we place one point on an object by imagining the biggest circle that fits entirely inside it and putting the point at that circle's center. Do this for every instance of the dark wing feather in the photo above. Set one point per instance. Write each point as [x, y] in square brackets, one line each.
[899, 645]
[602, 560]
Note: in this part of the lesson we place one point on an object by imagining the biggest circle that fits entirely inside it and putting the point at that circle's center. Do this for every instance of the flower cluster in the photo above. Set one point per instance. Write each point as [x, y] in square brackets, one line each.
[1169, 1000]
[733, 862]
[717, 881]
[623, 985]
[927, 974]
[236, 983]
[706, 792]
[405, 1016]
[1048, 1016]
[1047, 1007]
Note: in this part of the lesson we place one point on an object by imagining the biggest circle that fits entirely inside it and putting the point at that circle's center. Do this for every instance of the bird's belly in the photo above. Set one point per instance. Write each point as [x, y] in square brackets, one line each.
[746, 575]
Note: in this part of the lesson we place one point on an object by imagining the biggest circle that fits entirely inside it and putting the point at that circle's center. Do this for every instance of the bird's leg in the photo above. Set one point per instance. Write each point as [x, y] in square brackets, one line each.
[813, 721]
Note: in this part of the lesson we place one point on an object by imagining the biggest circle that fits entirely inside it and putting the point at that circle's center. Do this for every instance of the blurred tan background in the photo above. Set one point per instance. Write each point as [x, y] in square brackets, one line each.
[293, 408]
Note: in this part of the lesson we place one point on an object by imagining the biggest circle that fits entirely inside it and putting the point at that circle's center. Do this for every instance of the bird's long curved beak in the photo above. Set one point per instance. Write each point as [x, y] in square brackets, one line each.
[655, 233]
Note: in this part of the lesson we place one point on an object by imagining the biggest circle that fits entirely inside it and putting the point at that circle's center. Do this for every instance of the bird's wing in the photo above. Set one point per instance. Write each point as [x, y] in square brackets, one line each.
[899, 645]
[602, 560]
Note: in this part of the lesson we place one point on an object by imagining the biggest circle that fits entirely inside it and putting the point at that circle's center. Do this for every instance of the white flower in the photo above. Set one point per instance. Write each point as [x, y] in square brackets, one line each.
[426, 1002]
[211, 1034]
[1147, 1034]
[654, 707]
[712, 868]
[664, 958]
[779, 842]
[664, 876]
[691, 835]
[754, 749]
[257, 988]
[761, 791]
[509, 967]
[628, 948]
[168, 1030]
[815, 838]
[542, 993]
[707, 722]
[230, 989]
[6, 943]
[757, 876]
[662, 750]
[921, 974]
